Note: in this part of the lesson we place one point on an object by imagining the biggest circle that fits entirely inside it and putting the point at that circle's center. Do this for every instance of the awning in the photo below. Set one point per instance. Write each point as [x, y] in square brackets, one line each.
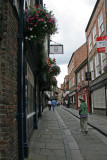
[66, 93]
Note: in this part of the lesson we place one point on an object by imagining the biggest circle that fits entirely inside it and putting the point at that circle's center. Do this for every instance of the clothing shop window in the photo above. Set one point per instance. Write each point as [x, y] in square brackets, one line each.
[92, 70]
[94, 35]
[103, 61]
[90, 43]
[96, 65]
[100, 24]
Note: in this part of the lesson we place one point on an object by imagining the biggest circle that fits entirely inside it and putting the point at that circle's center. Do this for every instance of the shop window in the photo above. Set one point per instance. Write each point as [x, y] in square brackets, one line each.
[30, 98]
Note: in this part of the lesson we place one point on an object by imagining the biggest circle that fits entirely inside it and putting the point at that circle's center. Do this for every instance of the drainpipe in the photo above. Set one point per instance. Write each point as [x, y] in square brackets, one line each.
[105, 4]
[20, 83]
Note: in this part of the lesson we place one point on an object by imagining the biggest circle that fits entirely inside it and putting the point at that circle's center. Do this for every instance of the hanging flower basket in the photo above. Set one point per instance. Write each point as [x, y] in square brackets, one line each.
[38, 22]
[54, 81]
[55, 70]
[105, 69]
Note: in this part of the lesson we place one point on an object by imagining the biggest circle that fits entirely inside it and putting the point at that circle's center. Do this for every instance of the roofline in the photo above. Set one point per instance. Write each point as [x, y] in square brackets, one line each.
[95, 7]
[74, 52]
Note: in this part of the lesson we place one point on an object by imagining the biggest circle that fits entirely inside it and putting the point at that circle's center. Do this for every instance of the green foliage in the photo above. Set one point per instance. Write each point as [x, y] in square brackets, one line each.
[38, 22]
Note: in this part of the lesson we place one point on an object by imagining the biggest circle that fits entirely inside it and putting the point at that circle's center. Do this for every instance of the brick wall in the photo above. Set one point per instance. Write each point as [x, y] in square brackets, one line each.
[78, 57]
[94, 21]
[8, 83]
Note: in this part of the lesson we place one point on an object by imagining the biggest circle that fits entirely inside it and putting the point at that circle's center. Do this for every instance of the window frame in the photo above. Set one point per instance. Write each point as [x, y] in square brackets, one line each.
[92, 69]
[96, 65]
[103, 61]
[94, 35]
[100, 23]
[90, 43]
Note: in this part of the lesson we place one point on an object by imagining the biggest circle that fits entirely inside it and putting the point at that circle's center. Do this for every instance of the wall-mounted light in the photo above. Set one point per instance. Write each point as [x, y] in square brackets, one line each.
[1, 25]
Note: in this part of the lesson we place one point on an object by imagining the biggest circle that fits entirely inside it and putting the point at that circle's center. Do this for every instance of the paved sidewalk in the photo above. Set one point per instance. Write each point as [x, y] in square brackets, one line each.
[53, 140]
[96, 121]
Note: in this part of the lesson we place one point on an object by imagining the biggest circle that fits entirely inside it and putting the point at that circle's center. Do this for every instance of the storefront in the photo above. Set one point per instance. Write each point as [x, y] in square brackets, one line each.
[84, 93]
[98, 100]
[72, 99]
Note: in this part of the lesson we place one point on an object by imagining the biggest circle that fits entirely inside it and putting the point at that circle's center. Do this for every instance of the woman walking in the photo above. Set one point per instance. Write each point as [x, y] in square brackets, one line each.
[83, 116]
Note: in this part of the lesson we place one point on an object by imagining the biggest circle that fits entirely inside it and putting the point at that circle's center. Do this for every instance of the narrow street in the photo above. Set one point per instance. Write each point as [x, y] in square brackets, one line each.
[59, 137]
[93, 146]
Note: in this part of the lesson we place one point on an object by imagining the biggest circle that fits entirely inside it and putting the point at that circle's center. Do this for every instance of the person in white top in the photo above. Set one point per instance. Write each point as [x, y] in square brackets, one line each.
[49, 105]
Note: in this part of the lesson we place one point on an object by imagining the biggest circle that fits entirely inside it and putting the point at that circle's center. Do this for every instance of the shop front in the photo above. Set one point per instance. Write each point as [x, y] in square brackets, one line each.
[84, 93]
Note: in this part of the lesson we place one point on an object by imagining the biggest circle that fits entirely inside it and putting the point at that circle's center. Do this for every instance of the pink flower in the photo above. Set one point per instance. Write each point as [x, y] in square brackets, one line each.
[35, 25]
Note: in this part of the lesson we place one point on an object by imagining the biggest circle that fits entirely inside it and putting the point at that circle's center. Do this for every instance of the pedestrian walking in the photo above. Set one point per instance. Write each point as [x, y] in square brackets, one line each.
[49, 104]
[83, 115]
[53, 104]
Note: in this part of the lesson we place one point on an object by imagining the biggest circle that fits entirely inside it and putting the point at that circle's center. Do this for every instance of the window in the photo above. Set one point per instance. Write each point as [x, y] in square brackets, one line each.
[86, 69]
[82, 74]
[96, 65]
[72, 66]
[90, 43]
[92, 70]
[94, 35]
[78, 77]
[70, 84]
[73, 81]
[16, 4]
[103, 61]
[100, 24]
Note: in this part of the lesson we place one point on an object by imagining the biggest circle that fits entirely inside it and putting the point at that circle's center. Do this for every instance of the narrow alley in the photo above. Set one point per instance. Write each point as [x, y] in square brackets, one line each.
[59, 137]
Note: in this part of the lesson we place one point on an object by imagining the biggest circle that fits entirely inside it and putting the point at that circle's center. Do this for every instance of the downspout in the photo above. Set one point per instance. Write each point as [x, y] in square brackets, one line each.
[90, 106]
[76, 92]
[20, 83]
[105, 3]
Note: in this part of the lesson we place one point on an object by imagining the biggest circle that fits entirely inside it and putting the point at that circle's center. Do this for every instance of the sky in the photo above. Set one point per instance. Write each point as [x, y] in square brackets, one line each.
[72, 19]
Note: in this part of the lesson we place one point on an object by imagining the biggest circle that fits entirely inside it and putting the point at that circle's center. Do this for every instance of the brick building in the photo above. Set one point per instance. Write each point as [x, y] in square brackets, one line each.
[21, 84]
[81, 84]
[97, 27]
[8, 80]
[76, 59]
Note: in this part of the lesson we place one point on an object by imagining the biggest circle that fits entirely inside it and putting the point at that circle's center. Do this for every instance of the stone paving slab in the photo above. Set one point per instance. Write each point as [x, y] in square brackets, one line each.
[53, 140]
[47, 142]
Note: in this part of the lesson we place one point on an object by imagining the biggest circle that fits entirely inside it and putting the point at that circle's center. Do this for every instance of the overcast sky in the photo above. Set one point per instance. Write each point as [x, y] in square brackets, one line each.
[72, 18]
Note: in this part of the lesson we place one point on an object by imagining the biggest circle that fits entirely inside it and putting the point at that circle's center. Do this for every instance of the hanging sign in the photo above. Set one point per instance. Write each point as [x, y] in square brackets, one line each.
[56, 49]
[101, 44]
[88, 76]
